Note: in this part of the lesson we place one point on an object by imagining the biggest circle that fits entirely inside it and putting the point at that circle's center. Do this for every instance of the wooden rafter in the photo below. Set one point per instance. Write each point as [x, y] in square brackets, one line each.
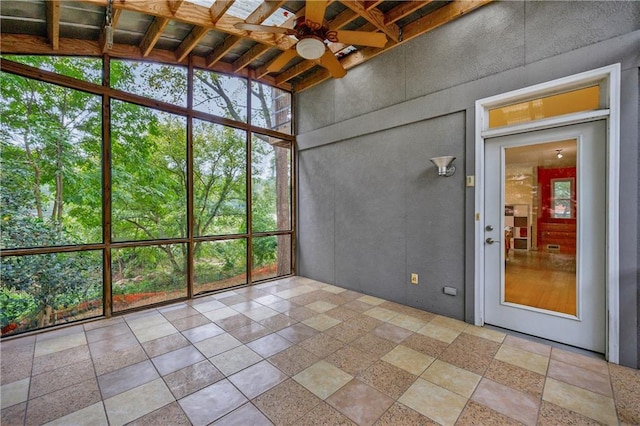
[375, 17]
[249, 56]
[406, 8]
[370, 4]
[152, 35]
[437, 18]
[53, 23]
[262, 12]
[221, 50]
[217, 10]
[174, 5]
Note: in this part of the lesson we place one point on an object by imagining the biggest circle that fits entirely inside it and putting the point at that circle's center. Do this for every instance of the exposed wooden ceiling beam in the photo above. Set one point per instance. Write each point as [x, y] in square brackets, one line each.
[53, 22]
[405, 8]
[249, 56]
[36, 45]
[217, 10]
[152, 35]
[262, 12]
[295, 70]
[435, 19]
[102, 38]
[441, 16]
[375, 17]
[174, 5]
[197, 15]
[222, 49]
[370, 4]
[190, 42]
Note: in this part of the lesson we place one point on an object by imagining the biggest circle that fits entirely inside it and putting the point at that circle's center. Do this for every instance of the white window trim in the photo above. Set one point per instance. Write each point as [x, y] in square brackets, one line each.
[609, 79]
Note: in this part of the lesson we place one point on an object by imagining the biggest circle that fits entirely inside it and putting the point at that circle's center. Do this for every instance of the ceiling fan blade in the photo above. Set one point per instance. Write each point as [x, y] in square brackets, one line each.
[263, 28]
[362, 38]
[282, 60]
[315, 11]
[331, 63]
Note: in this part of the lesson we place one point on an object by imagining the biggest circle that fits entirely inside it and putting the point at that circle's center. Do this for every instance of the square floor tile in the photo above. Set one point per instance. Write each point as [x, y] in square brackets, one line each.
[233, 322]
[14, 393]
[590, 404]
[583, 361]
[528, 345]
[392, 333]
[286, 403]
[408, 322]
[399, 414]
[522, 358]
[62, 402]
[254, 380]
[439, 332]
[373, 345]
[190, 322]
[516, 377]
[209, 404]
[170, 414]
[322, 379]
[91, 415]
[175, 360]
[409, 360]
[322, 345]
[371, 300]
[381, 313]
[154, 332]
[298, 333]
[137, 402]
[250, 332]
[175, 312]
[426, 345]
[553, 415]
[124, 379]
[388, 379]
[324, 415]
[202, 332]
[221, 313]
[477, 414]
[235, 360]
[485, 333]
[165, 344]
[217, 345]
[451, 323]
[431, 400]
[260, 313]
[192, 378]
[351, 360]
[56, 344]
[450, 377]
[247, 414]
[626, 388]
[208, 306]
[321, 322]
[321, 306]
[61, 378]
[360, 402]
[293, 360]
[269, 345]
[508, 401]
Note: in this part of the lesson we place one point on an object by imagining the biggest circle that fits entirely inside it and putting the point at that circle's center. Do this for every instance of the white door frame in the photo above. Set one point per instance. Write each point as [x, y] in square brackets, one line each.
[608, 78]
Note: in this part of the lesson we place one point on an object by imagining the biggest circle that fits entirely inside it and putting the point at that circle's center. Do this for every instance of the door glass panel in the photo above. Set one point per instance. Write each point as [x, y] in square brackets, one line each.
[540, 225]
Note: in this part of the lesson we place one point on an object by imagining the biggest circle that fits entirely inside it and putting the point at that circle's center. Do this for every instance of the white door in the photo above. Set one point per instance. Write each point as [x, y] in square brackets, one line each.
[545, 236]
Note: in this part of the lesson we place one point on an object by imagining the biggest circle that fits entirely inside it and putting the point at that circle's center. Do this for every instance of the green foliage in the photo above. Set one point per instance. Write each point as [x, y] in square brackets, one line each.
[51, 185]
[15, 305]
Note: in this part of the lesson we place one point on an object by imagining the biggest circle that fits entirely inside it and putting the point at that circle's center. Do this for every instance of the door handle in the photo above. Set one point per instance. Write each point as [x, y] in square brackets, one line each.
[491, 240]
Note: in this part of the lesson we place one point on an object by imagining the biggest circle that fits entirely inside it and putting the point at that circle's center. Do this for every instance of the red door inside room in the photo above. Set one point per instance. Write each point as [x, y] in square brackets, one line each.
[557, 222]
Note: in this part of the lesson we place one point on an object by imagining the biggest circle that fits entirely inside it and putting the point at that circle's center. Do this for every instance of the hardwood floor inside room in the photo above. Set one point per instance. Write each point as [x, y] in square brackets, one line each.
[541, 280]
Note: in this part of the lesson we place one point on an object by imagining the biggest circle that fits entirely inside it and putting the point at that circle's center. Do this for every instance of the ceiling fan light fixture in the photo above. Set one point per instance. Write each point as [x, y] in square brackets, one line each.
[310, 48]
[559, 153]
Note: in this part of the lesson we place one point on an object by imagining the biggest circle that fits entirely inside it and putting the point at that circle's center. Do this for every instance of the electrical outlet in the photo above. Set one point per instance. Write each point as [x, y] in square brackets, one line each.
[414, 279]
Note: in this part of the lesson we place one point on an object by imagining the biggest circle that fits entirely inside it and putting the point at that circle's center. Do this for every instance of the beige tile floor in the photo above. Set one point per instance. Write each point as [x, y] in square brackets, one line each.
[301, 352]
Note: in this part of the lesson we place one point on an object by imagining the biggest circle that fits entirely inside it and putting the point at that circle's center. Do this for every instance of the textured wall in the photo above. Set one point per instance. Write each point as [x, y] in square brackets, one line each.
[371, 209]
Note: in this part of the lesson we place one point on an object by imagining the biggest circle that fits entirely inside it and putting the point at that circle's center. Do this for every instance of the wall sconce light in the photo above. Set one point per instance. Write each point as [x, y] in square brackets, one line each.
[559, 153]
[445, 168]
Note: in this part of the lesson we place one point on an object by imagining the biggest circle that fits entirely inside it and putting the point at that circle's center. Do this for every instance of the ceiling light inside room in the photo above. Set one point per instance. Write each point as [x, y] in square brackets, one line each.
[559, 153]
[310, 48]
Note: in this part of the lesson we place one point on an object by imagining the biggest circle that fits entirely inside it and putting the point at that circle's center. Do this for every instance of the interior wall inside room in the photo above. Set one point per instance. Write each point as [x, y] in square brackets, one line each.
[371, 208]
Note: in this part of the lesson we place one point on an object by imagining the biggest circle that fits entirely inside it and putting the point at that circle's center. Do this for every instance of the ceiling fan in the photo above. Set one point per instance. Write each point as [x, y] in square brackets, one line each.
[313, 34]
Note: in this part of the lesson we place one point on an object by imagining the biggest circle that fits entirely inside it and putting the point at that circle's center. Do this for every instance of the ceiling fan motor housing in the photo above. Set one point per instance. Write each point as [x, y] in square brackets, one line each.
[306, 29]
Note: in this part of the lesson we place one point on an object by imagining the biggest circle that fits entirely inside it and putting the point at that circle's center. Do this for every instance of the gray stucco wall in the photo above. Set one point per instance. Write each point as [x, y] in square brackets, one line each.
[371, 210]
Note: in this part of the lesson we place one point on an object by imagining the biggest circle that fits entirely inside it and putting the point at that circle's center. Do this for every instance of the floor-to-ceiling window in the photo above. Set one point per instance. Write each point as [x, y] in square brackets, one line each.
[126, 183]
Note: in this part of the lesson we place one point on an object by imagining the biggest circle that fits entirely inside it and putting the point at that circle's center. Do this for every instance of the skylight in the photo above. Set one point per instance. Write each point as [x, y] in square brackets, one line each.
[242, 9]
